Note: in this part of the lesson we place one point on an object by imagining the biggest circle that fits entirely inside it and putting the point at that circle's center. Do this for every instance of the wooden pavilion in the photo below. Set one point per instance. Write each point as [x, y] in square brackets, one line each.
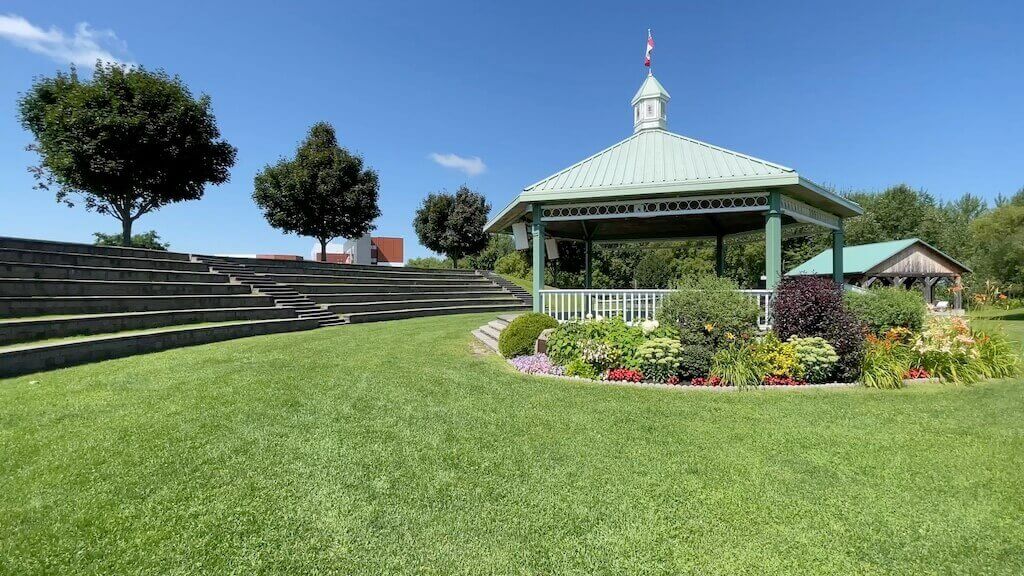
[905, 263]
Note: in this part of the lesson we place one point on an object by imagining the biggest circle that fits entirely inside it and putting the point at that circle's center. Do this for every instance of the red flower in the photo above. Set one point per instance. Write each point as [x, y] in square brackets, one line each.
[625, 375]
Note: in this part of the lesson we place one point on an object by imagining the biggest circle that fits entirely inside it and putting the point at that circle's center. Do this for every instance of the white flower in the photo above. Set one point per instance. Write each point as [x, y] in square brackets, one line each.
[599, 318]
[589, 316]
[649, 326]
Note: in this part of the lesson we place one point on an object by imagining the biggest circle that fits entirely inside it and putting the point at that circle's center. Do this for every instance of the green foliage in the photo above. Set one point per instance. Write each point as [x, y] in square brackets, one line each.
[780, 358]
[149, 240]
[998, 357]
[739, 364]
[1000, 236]
[430, 262]
[569, 341]
[498, 246]
[127, 141]
[659, 358]
[884, 365]
[654, 270]
[512, 264]
[324, 192]
[883, 309]
[816, 357]
[519, 337]
[453, 224]
[708, 312]
[582, 369]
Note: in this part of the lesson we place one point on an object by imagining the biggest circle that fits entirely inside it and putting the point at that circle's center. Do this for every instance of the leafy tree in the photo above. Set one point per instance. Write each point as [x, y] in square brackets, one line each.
[498, 245]
[655, 270]
[1001, 234]
[432, 262]
[128, 141]
[324, 192]
[149, 240]
[453, 225]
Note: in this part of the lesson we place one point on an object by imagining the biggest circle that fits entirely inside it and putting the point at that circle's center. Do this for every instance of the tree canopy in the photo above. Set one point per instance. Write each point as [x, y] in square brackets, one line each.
[453, 225]
[127, 141]
[325, 191]
[149, 240]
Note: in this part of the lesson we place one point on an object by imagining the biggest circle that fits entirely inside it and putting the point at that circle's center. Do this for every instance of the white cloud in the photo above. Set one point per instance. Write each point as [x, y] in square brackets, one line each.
[472, 166]
[84, 48]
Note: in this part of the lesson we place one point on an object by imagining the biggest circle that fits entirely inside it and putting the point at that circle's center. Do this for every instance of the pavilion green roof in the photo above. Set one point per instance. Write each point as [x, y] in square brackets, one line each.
[861, 259]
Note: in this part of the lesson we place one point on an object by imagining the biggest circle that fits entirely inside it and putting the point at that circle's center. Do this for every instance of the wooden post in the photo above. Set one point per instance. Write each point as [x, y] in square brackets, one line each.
[927, 286]
[867, 282]
[838, 242]
[958, 294]
[720, 255]
[773, 241]
[538, 255]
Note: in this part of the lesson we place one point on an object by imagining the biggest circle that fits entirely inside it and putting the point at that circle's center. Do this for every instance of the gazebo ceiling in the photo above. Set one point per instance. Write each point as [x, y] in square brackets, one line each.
[690, 226]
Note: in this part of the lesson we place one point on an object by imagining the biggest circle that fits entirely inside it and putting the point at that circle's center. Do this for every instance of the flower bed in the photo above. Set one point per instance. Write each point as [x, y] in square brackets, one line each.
[816, 341]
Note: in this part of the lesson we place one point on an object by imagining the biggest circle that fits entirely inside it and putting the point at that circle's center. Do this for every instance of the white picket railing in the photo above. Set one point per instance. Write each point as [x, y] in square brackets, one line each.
[630, 305]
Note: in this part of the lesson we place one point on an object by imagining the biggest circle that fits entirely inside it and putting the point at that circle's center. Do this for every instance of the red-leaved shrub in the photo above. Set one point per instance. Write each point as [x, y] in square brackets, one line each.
[813, 306]
[783, 381]
[915, 373]
[709, 381]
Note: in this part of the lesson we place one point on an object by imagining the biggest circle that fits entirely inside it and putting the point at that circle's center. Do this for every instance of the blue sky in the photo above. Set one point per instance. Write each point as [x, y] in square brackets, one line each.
[856, 95]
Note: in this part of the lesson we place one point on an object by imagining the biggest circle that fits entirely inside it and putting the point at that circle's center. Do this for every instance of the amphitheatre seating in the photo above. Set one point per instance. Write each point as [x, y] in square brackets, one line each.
[64, 303]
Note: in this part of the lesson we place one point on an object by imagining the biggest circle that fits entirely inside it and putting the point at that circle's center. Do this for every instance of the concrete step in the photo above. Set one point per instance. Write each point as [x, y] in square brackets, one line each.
[29, 330]
[293, 280]
[420, 312]
[309, 265]
[350, 308]
[405, 295]
[382, 274]
[73, 259]
[52, 246]
[46, 356]
[498, 324]
[490, 331]
[32, 287]
[19, 307]
[487, 339]
[390, 288]
[67, 272]
[508, 317]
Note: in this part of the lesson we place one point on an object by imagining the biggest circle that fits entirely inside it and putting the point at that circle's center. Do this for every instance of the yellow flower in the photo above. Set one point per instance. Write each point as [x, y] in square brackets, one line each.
[709, 327]
[730, 336]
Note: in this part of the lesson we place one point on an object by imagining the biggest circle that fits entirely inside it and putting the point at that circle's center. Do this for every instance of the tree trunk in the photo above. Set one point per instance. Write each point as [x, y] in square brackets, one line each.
[323, 249]
[126, 231]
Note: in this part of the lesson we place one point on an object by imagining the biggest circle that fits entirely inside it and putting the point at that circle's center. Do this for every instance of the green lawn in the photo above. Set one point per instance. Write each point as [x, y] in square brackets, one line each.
[395, 448]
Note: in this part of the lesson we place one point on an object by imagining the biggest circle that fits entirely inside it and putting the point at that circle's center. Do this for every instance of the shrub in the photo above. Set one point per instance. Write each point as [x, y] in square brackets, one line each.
[886, 308]
[811, 306]
[884, 364]
[659, 358]
[430, 262]
[771, 380]
[536, 364]
[739, 364]
[512, 264]
[709, 381]
[581, 369]
[599, 354]
[816, 357]
[709, 313]
[998, 357]
[566, 342]
[519, 337]
[625, 375]
[779, 357]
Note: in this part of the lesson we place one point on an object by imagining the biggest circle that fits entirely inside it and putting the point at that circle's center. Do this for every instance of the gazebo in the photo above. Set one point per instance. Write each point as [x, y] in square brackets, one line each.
[657, 185]
[903, 263]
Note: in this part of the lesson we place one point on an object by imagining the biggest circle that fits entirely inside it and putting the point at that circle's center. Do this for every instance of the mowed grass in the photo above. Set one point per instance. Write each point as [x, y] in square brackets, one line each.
[395, 448]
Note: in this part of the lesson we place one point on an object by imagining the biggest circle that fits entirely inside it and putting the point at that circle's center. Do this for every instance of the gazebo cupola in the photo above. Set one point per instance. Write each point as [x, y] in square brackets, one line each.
[656, 185]
[650, 106]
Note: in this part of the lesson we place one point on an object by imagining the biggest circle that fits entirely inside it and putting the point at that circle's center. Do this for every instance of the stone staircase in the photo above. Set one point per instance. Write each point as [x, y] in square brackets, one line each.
[516, 290]
[490, 332]
[282, 294]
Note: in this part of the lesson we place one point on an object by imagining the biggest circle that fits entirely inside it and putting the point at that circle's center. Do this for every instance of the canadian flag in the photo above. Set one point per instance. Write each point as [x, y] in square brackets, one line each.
[650, 48]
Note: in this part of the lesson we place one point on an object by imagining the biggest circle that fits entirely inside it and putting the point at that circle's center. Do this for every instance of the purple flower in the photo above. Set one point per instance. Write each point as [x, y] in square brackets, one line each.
[537, 364]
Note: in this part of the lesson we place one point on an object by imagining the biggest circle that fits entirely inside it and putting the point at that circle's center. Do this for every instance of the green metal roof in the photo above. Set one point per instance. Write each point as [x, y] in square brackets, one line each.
[657, 163]
[651, 88]
[861, 259]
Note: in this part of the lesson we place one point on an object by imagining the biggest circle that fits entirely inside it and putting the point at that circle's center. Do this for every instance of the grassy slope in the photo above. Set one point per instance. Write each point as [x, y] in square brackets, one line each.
[392, 448]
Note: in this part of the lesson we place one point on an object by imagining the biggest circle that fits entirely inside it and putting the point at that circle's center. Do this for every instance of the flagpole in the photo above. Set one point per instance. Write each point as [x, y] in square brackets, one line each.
[650, 68]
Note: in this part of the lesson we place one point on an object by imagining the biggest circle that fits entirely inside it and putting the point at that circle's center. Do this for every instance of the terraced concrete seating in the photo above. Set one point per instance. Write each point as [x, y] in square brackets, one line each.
[64, 304]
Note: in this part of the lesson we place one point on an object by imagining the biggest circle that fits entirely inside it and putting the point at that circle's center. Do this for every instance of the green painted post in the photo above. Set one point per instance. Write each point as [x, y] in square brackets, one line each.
[838, 241]
[588, 276]
[538, 255]
[720, 255]
[773, 241]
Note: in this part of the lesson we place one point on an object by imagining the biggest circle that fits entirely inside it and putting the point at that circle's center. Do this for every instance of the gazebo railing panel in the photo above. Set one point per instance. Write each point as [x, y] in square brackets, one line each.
[630, 305]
